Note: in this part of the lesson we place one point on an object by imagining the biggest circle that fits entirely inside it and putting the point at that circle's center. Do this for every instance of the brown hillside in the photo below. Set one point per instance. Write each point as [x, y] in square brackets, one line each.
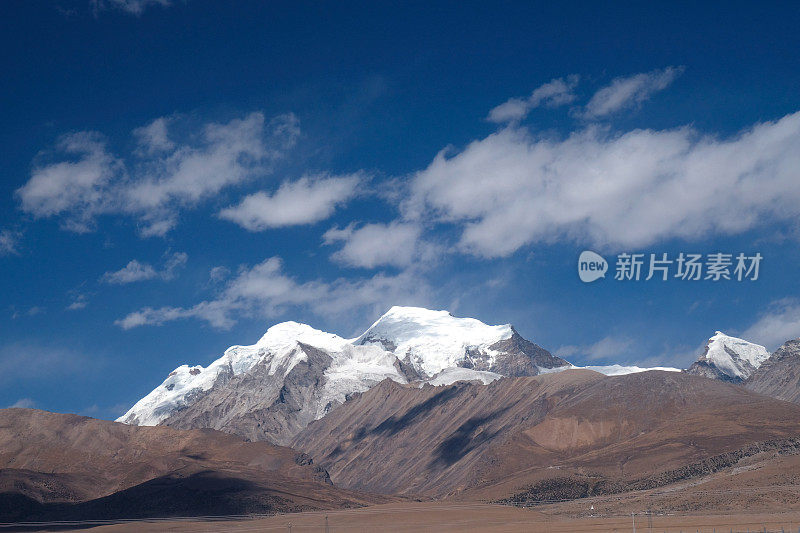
[470, 440]
[49, 463]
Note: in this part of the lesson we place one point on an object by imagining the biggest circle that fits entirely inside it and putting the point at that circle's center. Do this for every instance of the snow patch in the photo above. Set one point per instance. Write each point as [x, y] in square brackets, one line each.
[449, 376]
[609, 370]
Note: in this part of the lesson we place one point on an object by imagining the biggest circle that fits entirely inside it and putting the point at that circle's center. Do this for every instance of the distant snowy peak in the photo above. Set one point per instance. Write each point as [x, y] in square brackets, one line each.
[621, 370]
[432, 341]
[610, 370]
[729, 358]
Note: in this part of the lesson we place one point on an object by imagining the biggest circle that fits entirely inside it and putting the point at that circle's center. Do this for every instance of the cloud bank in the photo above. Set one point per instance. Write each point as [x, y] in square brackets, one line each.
[158, 180]
[265, 290]
[610, 189]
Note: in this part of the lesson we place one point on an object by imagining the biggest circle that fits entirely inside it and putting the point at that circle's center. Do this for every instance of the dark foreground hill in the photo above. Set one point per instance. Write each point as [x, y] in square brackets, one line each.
[68, 467]
[562, 435]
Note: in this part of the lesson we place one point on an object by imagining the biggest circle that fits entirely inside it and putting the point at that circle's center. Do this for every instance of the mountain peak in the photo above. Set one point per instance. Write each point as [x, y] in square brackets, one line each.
[729, 358]
[431, 341]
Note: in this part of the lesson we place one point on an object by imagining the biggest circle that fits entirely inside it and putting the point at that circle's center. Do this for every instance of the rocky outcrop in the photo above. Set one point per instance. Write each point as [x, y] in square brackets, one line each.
[779, 376]
[520, 357]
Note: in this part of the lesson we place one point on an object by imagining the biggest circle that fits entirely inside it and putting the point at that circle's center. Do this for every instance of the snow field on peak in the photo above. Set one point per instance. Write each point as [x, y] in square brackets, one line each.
[356, 369]
[432, 340]
[747, 353]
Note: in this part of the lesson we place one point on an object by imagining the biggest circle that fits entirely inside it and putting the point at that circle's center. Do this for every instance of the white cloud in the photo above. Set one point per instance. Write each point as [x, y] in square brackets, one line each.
[24, 403]
[554, 93]
[132, 272]
[266, 291]
[135, 271]
[134, 7]
[373, 245]
[154, 137]
[218, 273]
[76, 187]
[611, 190]
[608, 348]
[629, 91]
[9, 242]
[80, 302]
[778, 325]
[172, 263]
[160, 178]
[305, 201]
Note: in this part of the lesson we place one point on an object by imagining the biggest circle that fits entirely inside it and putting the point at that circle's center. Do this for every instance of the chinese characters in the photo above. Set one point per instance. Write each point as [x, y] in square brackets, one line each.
[688, 266]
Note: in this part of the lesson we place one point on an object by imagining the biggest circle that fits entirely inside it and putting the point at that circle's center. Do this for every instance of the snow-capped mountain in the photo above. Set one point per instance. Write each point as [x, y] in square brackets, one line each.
[729, 359]
[431, 341]
[285, 345]
[295, 374]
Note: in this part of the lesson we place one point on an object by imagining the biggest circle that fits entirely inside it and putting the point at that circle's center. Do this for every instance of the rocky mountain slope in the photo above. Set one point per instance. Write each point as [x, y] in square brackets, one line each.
[729, 359]
[493, 441]
[296, 374]
[55, 466]
[779, 376]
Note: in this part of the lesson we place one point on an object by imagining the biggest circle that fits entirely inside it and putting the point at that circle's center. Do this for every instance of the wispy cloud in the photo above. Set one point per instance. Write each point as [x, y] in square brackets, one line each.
[9, 241]
[554, 93]
[134, 7]
[78, 303]
[219, 273]
[34, 361]
[24, 403]
[157, 180]
[609, 348]
[265, 290]
[780, 323]
[512, 188]
[307, 200]
[629, 91]
[135, 271]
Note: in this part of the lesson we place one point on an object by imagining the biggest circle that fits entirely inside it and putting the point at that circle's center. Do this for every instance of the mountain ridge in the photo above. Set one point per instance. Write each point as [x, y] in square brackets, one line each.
[295, 373]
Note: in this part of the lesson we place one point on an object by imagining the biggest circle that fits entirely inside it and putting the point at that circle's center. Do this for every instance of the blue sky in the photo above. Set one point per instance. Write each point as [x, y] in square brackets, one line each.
[179, 175]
